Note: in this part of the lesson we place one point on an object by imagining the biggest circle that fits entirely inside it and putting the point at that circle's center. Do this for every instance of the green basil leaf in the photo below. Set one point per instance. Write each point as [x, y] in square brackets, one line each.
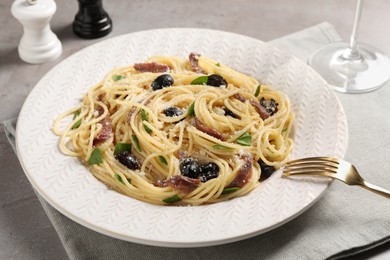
[245, 139]
[118, 178]
[202, 80]
[221, 147]
[147, 128]
[121, 147]
[136, 142]
[258, 89]
[163, 160]
[78, 123]
[96, 157]
[172, 199]
[76, 114]
[191, 109]
[144, 116]
[118, 77]
[229, 190]
[218, 64]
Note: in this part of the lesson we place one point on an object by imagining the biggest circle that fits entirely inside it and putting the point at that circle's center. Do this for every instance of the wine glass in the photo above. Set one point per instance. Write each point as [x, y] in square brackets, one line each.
[352, 67]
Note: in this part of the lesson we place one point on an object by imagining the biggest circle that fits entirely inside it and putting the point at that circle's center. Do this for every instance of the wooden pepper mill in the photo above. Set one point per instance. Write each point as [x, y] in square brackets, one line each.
[38, 43]
[91, 21]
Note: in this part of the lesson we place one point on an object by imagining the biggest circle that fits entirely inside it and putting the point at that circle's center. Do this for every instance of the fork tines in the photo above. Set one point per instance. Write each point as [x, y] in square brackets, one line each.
[312, 165]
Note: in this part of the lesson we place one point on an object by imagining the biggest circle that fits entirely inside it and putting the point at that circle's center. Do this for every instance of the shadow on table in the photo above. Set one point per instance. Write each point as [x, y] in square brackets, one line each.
[10, 58]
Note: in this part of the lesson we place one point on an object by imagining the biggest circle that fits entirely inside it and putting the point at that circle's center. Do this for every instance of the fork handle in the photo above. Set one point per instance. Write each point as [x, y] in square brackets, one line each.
[378, 190]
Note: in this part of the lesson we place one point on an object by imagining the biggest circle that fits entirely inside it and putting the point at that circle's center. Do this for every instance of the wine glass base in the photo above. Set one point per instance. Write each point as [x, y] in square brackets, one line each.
[366, 71]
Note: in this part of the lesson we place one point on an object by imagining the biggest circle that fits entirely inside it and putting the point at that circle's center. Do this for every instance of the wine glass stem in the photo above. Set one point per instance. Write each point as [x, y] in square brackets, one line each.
[352, 52]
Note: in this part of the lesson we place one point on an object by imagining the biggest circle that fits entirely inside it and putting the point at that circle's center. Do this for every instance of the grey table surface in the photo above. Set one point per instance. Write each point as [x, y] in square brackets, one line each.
[25, 231]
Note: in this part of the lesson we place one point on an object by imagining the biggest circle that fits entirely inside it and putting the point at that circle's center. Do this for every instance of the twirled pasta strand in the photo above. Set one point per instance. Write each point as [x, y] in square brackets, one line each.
[125, 92]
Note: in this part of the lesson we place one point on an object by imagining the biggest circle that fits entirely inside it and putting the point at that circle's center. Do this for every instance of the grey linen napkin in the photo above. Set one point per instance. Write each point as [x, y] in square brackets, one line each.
[344, 222]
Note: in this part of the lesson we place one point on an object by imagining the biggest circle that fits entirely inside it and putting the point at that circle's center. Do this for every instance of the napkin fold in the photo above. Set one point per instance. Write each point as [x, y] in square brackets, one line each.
[335, 227]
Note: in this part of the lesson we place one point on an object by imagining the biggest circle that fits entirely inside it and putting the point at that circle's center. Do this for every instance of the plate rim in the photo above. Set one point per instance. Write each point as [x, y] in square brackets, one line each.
[159, 242]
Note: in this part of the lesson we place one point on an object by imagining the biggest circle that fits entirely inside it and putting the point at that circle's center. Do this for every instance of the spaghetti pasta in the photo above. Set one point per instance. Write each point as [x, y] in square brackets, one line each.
[173, 131]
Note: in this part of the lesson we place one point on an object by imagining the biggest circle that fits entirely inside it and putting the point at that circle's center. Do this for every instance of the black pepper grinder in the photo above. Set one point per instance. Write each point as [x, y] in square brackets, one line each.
[91, 21]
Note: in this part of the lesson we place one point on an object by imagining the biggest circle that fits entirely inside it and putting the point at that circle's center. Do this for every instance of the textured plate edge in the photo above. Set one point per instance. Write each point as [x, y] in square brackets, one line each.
[176, 244]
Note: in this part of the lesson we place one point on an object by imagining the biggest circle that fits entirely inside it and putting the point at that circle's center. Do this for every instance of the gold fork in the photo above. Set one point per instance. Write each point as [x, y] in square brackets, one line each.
[333, 168]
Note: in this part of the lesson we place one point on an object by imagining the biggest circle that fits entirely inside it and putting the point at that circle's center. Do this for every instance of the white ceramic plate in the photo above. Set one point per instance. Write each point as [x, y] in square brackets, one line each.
[320, 129]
